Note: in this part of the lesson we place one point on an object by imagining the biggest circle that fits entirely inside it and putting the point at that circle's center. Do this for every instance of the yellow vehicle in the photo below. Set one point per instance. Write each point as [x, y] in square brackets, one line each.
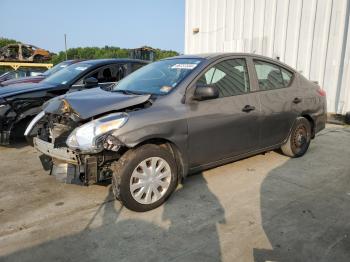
[24, 53]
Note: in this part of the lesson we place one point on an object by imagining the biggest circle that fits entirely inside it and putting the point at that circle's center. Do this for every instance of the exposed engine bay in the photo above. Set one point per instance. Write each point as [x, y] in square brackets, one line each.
[50, 135]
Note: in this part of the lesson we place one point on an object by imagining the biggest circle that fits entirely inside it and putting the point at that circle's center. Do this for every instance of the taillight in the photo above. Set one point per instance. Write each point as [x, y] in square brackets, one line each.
[321, 92]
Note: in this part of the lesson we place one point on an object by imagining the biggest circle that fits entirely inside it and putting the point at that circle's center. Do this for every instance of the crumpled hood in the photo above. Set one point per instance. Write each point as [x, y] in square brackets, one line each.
[92, 102]
[18, 89]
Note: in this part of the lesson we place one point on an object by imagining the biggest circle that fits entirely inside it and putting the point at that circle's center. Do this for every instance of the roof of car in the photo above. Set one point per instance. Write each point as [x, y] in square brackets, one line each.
[209, 56]
[215, 55]
[113, 60]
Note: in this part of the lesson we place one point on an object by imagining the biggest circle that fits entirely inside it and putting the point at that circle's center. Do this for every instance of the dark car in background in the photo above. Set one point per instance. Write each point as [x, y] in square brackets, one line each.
[175, 117]
[39, 76]
[19, 73]
[21, 102]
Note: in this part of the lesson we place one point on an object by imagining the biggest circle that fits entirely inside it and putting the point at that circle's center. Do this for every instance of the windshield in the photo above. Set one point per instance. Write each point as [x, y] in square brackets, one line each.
[157, 78]
[67, 74]
[56, 68]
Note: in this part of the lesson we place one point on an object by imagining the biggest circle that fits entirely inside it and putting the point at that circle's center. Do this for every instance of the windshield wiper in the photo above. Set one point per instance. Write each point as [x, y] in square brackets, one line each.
[127, 92]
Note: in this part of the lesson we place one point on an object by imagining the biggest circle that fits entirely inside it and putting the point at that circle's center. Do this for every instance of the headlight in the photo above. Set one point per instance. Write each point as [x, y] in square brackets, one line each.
[85, 137]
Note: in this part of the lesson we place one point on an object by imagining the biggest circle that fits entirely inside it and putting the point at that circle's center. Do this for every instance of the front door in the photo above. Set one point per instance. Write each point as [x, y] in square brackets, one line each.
[226, 126]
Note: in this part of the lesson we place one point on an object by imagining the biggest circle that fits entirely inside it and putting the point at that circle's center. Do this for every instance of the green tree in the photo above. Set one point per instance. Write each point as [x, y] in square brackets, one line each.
[6, 41]
[105, 52]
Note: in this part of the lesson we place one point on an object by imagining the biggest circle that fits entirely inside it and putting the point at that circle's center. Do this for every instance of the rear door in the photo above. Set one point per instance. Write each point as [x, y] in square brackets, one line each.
[226, 126]
[278, 93]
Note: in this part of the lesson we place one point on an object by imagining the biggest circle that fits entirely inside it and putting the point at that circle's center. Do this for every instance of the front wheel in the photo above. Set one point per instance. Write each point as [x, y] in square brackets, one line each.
[143, 178]
[299, 139]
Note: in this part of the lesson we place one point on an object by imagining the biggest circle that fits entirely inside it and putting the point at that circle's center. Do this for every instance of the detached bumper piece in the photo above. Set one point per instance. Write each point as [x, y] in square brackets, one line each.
[66, 166]
[74, 174]
[66, 173]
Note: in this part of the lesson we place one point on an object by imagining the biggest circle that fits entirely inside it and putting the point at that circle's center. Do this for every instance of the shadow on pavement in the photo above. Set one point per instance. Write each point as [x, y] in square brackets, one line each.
[306, 214]
[17, 144]
[190, 235]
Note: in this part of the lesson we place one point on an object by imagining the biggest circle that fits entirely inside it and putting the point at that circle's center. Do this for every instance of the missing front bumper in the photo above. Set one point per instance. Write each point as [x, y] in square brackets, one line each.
[66, 166]
[62, 153]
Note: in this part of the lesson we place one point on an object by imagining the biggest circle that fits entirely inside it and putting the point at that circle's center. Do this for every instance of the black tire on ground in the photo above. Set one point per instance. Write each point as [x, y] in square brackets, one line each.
[347, 118]
[299, 139]
[18, 131]
[125, 166]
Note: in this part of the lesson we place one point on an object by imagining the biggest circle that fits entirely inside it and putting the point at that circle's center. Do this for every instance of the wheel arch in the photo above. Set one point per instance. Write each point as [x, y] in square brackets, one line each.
[22, 119]
[312, 123]
[174, 149]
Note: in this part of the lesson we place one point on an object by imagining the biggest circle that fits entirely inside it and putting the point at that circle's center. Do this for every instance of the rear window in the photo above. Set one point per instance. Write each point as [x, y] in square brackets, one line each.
[287, 76]
[272, 76]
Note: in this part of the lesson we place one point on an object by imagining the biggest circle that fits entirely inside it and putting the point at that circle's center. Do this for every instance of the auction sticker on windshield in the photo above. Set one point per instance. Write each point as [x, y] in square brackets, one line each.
[81, 68]
[165, 89]
[184, 66]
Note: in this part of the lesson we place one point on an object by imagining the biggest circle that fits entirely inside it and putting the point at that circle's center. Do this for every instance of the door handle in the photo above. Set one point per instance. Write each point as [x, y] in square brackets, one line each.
[297, 100]
[248, 108]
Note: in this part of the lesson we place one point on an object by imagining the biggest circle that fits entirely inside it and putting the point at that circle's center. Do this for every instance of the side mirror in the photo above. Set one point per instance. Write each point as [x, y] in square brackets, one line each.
[90, 82]
[205, 93]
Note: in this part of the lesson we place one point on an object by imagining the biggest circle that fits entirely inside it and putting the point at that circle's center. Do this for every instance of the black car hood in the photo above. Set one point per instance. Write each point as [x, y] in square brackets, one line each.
[93, 102]
[18, 89]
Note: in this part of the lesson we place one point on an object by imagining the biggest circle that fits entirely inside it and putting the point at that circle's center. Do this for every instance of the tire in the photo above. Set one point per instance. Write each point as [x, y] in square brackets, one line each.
[299, 139]
[347, 118]
[38, 59]
[134, 169]
[18, 131]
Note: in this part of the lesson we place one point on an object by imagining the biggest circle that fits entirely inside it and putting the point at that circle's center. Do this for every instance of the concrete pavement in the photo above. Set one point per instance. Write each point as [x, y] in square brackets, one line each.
[264, 208]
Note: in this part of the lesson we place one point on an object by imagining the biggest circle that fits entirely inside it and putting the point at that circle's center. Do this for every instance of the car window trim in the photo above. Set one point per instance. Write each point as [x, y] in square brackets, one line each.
[210, 65]
[92, 71]
[279, 66]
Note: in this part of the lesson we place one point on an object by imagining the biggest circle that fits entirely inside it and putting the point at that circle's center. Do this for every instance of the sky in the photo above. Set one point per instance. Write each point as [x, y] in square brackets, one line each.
[123, 23]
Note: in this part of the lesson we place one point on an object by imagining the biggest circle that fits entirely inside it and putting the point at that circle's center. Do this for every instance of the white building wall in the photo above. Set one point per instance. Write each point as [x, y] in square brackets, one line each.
[312, 36]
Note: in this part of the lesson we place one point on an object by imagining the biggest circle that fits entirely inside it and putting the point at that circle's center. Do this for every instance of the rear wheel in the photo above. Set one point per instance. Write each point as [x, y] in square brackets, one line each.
[299, 139]
[38, 59]
[143, 178]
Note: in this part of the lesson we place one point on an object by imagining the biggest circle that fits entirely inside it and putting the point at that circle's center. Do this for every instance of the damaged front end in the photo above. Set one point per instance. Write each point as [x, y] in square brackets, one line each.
[71, 165]
[77, 149]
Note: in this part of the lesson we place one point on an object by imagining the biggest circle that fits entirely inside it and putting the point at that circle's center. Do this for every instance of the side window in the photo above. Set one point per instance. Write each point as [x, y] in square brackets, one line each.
[120, 72]
[287, 77]
[106, 74]
[271, 76]
[27, 52]
[230, 77]
[111, 73]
